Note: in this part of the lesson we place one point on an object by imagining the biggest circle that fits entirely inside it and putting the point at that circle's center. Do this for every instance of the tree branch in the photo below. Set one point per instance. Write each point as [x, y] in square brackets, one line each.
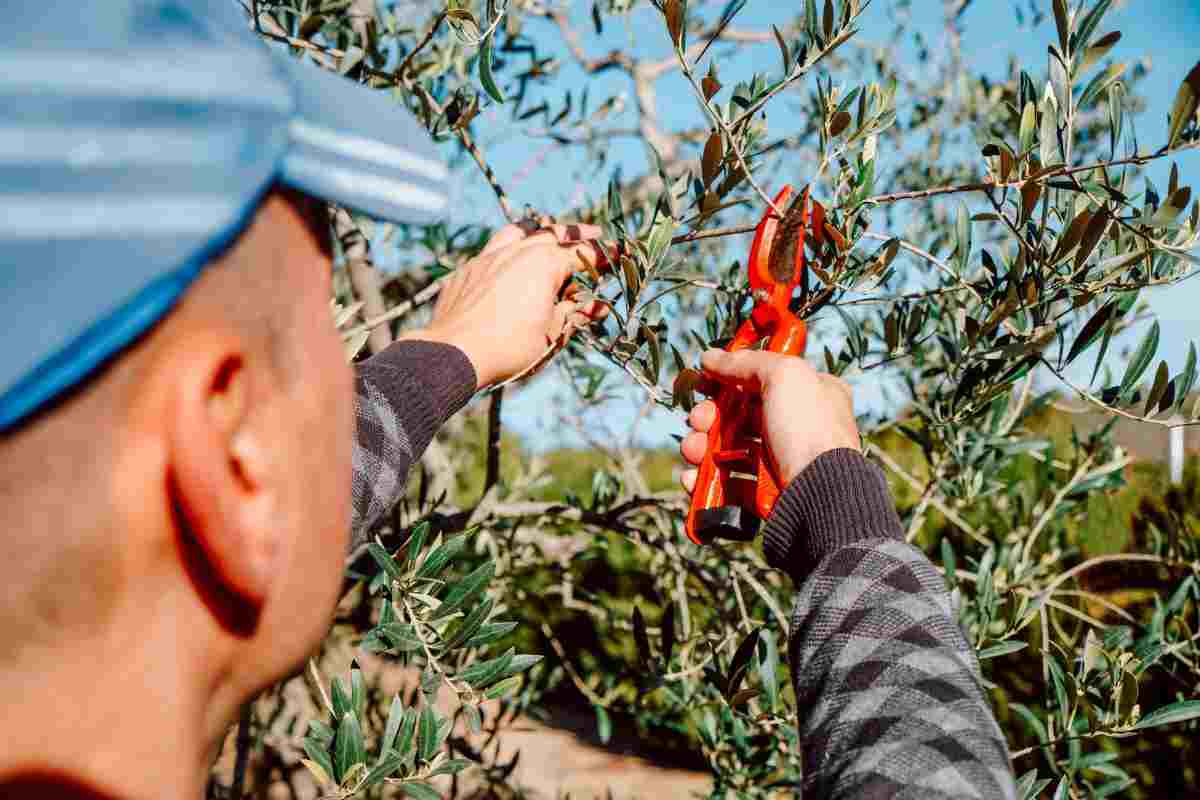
[1056, 172]
[363, 277]
[492, 473]
[408, 59]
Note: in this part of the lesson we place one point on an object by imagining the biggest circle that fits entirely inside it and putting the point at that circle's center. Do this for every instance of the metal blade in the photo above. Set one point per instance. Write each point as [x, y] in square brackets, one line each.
[782, 263]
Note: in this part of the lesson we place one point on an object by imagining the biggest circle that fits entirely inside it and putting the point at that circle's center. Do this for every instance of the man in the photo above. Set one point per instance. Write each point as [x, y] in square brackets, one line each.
[179, 428]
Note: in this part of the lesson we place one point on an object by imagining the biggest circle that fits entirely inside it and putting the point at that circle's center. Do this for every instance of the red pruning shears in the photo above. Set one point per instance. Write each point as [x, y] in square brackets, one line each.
[738, 481]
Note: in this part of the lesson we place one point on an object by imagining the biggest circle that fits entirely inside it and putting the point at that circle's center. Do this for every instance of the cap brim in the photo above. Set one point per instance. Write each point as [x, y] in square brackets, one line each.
[359, 148]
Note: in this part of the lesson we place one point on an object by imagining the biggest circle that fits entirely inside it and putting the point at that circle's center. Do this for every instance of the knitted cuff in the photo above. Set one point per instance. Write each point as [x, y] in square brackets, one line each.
[838, 499]
[427, 382]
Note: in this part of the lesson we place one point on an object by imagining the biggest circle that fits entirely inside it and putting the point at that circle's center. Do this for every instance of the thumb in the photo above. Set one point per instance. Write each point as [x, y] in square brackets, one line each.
[748, 367]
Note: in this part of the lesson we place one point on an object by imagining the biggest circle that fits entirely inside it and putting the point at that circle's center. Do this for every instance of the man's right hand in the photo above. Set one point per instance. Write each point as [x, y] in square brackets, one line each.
[805, 412]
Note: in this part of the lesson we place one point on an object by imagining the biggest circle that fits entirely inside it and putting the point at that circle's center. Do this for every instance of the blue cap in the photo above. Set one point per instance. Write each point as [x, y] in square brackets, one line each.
[137, 138]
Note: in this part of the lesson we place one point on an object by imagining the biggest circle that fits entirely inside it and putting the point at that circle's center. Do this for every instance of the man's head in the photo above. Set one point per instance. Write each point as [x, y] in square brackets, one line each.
[201, 481]
[175, 409]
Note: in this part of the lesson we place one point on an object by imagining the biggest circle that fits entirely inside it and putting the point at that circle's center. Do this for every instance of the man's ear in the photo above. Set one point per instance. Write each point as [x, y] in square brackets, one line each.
[217, 471]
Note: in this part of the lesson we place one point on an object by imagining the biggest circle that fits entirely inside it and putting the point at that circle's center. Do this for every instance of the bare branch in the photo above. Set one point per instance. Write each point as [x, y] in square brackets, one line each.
[363, 276]
[402, 69]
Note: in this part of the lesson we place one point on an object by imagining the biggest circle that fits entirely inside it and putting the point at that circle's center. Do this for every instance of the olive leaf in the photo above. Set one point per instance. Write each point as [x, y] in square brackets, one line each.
[1140, 361]
[1187, 99]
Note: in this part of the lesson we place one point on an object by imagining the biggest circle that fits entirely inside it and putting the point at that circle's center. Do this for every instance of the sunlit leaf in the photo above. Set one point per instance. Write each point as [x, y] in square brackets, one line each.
[1001, 649]
[1098, 50]
[1158, 388]
[1062, 23]
[714, 156]
[1184, 108]
[503, 688]
[1028, 126]
[1059, 83]
[486, 76]
[1087, 25]
[962, 230]
[784, 54]
[1140, 361]
[603, 724]
[348, 747]
[1116, 115]
[419, 791]
[1186, 379]
[1048, 135]
[768, 667]
[464, 591]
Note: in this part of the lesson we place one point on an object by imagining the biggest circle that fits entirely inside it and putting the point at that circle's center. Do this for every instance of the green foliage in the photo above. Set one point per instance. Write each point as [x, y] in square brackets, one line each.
[445, 627]
[1010, 282]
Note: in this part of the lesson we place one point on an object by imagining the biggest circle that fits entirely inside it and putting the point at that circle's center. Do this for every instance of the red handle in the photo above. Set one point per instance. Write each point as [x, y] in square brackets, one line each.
[738, 482]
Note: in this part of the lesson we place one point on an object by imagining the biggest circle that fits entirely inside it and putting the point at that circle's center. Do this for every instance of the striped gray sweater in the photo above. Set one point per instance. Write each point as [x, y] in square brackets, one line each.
[890, 687]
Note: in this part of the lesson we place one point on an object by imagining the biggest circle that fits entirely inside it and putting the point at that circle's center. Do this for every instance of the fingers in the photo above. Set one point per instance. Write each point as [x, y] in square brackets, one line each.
[688, 479]
[559, 234]
[693, 446]
[553, 252]
[565, 321]
[703, 415]
[749, 367]
[539, 231]
[508, 235]
[560, 262]
[594, 309]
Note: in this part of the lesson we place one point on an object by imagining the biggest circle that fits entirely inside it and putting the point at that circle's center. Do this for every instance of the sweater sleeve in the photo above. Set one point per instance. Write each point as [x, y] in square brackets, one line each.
[404, 394]
[889, 686]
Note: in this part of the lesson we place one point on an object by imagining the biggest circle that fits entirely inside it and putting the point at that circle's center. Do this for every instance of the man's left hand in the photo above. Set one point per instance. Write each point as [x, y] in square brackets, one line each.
[504, 307]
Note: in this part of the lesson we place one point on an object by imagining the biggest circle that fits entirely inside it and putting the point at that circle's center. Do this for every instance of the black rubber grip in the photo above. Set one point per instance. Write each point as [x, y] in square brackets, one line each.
[727, 522]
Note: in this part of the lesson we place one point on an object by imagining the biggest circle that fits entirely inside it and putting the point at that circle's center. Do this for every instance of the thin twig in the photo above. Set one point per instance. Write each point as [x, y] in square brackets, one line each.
[569, 667]
[400, 309]
[796, 74]
[727, 132]
[1057, 172]
[404, 65]
[1050, 743]
[1101, 405]
[714, 233]
[492, 473]
[464, 137]
[242, 756]
[949, 513]
[1048, 513]
[741, 603]
[364, 278]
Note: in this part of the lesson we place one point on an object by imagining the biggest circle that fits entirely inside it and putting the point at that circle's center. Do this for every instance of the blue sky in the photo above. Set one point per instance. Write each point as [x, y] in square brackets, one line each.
[1166, 31]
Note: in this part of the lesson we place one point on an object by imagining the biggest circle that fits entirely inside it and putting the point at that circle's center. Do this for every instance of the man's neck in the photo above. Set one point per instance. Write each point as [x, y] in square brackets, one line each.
[117, 719]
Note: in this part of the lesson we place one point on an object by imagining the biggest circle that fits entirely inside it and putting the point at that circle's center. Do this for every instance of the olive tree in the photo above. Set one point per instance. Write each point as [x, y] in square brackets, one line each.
[996, 239]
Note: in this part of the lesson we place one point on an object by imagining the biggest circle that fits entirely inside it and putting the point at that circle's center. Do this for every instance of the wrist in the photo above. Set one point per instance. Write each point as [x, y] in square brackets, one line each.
[447, 337]
[803, 461]
[838, 499]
